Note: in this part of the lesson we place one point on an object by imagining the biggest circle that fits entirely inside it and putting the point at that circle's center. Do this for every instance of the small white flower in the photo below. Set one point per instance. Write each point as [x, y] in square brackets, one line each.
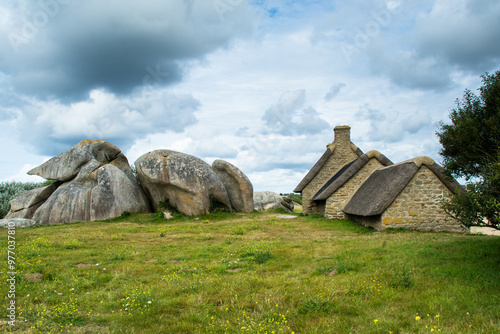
[126, 304]
[60, 294]
[128, 298]
[28, 295]
[103, 268]
[97, 264]
[149, 302]
[72, 289]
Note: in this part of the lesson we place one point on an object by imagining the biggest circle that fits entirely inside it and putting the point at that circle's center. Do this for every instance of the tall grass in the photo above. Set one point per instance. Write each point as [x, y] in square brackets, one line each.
[140, 274]
[10, 190]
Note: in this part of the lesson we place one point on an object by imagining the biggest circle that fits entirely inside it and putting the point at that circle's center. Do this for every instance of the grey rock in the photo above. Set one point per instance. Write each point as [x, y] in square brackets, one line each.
[95, 182]
[287, 203]
[266, 200]
[99, 191]
[187, 182]
[25, 205]
[66, 165]
[238, 186]
[17, 222]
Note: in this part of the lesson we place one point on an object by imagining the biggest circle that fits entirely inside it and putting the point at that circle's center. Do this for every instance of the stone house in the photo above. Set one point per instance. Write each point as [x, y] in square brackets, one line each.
[369, 188]
[408, 194]
[337, 191]
[340, 152]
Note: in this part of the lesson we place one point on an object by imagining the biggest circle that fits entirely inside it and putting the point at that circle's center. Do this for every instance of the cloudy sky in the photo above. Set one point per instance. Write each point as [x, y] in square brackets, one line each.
[258, 83]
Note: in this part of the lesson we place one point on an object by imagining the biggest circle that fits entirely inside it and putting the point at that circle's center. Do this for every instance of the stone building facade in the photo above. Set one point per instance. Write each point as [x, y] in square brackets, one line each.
[418, 206]
[340, 152]
[408, 195]
[369, 188]
[336, 202]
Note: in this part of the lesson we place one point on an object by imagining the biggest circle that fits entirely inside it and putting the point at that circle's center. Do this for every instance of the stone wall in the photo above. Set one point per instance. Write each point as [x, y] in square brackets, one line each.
[336, 202]
[418, 206]
[343, 153]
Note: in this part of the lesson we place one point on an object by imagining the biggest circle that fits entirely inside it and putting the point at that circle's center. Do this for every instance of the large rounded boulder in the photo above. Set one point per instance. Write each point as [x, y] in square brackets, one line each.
[238, 186]
[187, 182]
[95, 182]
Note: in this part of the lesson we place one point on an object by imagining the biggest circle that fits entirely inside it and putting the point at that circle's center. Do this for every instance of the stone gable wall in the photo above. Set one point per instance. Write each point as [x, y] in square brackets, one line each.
[418, 207]
[336, 202]
[342, 155]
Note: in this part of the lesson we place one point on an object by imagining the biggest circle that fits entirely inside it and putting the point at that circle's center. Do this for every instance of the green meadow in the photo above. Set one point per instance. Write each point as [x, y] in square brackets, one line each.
[249, 273]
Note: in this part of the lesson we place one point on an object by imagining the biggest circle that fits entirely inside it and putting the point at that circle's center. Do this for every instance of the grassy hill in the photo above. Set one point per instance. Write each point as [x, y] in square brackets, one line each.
[251, 273]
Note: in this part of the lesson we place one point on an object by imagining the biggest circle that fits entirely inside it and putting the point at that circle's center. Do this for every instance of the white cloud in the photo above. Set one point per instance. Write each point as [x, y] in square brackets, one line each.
[175, 75]
[290, 116]
[52, 126]
[22, 176]
[334, 91]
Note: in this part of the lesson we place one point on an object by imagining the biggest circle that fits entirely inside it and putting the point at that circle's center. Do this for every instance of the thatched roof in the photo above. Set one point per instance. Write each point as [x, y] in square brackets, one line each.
[347, 172]
[320, 163]
[382, 187]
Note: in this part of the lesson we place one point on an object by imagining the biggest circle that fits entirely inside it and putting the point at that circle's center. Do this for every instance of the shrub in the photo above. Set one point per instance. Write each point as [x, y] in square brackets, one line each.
[297, 198]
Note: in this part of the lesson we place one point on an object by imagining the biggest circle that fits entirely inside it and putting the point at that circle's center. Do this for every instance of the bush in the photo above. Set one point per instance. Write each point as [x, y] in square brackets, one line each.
[297, 198]
[10, 190]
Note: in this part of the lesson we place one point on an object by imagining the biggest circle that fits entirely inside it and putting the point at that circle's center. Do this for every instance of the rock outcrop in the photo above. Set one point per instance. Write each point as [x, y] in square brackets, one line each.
[26, 204]
[187, 182]
[266, 200]
[238, 186]
[66, 165]
[95, 183]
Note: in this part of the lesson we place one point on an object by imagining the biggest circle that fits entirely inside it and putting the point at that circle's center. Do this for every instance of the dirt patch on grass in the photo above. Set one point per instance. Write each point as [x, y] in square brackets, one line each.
[36, 277]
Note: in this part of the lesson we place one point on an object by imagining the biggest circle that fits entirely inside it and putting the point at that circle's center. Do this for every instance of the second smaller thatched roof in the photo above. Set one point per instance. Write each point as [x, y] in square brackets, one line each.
[347, 172]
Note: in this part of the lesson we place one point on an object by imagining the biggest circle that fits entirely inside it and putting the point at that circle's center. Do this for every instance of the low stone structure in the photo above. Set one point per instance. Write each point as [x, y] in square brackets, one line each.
[17, 222]
[408, 195]
[371, 190]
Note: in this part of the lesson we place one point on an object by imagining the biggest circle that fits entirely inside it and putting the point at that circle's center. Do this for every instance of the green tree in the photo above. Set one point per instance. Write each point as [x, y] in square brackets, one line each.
[471, 149]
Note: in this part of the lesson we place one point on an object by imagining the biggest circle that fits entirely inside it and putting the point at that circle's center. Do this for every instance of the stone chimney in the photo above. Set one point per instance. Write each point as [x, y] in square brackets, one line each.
[342, 135]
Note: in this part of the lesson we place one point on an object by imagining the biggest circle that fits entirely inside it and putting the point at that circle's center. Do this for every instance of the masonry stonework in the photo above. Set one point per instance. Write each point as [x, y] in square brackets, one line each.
[418, 206]
[343, 152]
[336, 202]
